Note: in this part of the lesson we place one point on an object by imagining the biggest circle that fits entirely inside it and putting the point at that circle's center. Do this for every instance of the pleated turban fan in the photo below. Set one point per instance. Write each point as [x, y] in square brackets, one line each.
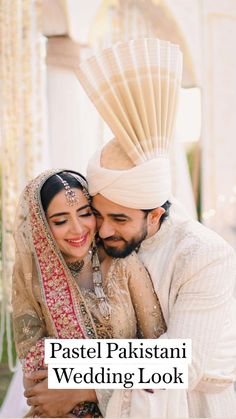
[135, 87]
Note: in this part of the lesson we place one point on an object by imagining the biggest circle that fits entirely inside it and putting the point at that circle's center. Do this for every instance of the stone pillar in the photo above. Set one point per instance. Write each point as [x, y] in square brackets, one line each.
[74, 127]
[73, 122]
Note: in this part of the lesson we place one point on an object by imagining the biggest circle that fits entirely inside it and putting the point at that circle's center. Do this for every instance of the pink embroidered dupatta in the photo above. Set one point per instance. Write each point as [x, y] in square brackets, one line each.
[46, 300]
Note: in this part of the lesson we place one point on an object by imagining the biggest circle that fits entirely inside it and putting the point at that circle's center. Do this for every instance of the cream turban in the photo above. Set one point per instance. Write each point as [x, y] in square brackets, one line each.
[144, 186]
[134, 86]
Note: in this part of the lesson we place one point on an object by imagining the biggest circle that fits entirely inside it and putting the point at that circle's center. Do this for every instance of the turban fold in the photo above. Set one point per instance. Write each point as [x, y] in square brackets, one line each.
[145, 186]
[134, 86]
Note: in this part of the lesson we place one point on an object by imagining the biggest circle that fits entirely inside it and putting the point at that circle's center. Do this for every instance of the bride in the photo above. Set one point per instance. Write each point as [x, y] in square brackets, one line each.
[61, 289]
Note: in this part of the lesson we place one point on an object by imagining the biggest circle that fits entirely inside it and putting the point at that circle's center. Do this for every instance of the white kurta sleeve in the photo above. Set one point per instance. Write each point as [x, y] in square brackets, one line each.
[103, 397]
[201, 311]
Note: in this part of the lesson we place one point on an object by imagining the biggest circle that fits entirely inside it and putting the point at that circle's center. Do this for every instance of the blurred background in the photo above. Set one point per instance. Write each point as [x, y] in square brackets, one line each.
[47, 120]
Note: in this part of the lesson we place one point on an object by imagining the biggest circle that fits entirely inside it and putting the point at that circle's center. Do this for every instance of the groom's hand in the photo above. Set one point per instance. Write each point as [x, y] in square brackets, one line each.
[53, 402]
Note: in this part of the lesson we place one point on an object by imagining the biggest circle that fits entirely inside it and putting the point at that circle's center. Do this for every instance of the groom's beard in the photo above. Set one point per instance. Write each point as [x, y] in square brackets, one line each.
[124, 247]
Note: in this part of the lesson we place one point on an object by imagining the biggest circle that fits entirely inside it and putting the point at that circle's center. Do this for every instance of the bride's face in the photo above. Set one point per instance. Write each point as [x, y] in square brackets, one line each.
[73, 227]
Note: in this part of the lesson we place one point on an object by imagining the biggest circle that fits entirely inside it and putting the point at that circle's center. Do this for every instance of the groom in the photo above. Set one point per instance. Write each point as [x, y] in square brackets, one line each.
[193, 272]
[134, 87]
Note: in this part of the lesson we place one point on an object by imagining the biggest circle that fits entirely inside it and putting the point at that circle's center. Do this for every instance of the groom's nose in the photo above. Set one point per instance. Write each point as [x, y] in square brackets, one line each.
[105, 229]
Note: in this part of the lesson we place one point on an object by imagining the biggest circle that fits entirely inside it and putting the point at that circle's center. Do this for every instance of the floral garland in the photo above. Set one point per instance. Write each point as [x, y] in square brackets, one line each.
[21, 46]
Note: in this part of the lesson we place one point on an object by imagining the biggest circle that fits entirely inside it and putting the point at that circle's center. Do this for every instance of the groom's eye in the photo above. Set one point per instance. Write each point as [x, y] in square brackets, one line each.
[120, 220]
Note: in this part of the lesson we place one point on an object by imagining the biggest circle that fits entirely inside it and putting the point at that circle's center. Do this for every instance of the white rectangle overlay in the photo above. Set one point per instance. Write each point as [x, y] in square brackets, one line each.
[111, 351]
[118, 376]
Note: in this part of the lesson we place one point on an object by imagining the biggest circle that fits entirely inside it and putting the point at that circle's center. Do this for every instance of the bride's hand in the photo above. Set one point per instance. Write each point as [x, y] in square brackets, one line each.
[53, 403]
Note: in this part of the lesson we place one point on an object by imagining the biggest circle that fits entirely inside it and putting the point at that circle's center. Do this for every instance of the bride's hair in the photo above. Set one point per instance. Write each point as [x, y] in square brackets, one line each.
[54, 185]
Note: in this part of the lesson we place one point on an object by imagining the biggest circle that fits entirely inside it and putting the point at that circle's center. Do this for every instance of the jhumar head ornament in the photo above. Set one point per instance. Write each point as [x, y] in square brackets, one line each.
[71, 197]
[70, 194]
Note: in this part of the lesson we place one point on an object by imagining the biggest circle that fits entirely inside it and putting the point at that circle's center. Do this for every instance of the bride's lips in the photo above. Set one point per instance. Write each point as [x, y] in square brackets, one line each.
[77, 242]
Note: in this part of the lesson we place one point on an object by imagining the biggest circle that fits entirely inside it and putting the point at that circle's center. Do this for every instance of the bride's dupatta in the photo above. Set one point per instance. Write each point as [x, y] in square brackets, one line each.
[46, 300]
[45, 297]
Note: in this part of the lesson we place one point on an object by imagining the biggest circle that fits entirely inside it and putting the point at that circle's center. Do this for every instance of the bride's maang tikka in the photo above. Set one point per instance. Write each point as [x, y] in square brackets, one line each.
[70, 194]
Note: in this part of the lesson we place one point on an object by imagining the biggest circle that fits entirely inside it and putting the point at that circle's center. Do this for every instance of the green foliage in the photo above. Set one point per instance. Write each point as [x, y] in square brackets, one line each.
[191, 162]
[0, 229]
[5, 373]
[0, 212]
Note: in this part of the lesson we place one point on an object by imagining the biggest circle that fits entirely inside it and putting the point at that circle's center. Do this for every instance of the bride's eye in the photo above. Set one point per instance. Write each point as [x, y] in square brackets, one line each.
[58, 223]
[86, 214]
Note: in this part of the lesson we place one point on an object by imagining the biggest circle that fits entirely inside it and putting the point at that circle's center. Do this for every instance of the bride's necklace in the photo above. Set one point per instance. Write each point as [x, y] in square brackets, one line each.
[76, 267]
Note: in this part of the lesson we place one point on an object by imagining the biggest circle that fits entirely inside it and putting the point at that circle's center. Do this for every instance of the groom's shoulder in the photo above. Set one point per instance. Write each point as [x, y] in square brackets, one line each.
[194, 238]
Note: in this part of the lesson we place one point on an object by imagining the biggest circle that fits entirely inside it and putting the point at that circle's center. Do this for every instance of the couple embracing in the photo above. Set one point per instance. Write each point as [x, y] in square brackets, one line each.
[153, 272]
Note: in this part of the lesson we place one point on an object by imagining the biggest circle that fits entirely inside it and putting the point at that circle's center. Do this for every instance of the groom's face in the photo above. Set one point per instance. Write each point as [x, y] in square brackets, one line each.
[120, 229]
